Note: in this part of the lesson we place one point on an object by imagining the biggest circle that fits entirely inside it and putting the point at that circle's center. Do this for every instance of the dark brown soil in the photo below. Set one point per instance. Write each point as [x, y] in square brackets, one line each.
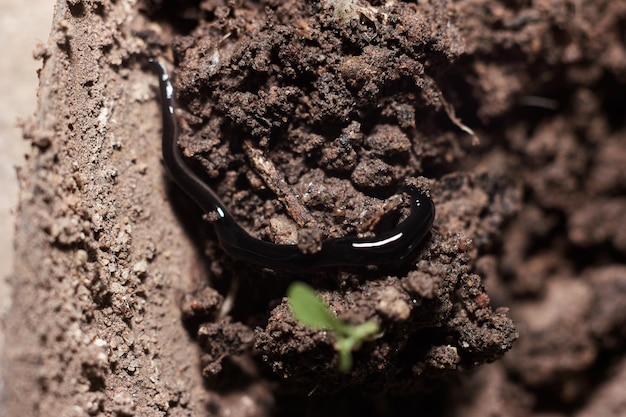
[306, 117]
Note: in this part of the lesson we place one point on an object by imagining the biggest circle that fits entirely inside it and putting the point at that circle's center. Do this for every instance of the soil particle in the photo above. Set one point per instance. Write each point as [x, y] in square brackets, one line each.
[592, 223]
[560, 318]
[609, 400]
[393, 304]
[202, 304]
[608, 315]
[220, 340]
[490, 392]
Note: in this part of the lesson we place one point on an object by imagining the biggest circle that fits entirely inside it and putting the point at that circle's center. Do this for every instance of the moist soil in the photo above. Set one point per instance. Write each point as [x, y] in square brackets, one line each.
[306, 117]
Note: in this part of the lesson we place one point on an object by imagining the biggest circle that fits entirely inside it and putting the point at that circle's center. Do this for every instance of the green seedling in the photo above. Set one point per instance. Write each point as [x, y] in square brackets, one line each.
[308, 308]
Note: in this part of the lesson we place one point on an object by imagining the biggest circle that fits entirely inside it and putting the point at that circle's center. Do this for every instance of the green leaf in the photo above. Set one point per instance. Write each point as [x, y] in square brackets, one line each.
[344, 347]
[309, 309]
[364, 331]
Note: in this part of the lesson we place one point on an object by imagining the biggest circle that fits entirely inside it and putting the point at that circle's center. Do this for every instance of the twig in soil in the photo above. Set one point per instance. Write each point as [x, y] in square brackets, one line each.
[277, 184]
[454, 119]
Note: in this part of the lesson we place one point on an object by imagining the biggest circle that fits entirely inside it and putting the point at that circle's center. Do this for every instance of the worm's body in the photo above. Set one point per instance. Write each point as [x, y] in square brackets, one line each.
[389, 247]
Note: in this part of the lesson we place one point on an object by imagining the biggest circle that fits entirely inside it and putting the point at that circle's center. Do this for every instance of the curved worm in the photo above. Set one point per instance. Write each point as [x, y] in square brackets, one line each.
[388, 247]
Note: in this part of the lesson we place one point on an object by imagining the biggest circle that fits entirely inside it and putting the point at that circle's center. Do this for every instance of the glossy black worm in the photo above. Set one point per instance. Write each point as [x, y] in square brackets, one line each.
[388, 247]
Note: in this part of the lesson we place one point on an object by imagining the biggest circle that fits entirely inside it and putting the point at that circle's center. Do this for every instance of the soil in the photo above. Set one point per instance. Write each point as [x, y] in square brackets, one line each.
[305, 117]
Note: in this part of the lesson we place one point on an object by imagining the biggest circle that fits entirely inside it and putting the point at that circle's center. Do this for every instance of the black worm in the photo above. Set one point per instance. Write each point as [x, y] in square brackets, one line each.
[388, 247]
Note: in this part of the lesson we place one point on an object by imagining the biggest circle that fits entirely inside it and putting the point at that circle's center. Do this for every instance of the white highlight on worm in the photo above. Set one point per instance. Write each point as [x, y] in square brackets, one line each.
[377, 243]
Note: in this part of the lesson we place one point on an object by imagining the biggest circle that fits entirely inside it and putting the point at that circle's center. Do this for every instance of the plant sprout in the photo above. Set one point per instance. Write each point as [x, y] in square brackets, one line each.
[310, 310]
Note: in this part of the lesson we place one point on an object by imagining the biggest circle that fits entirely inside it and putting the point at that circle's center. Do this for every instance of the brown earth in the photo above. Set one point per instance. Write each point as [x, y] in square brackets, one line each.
[124, 303]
